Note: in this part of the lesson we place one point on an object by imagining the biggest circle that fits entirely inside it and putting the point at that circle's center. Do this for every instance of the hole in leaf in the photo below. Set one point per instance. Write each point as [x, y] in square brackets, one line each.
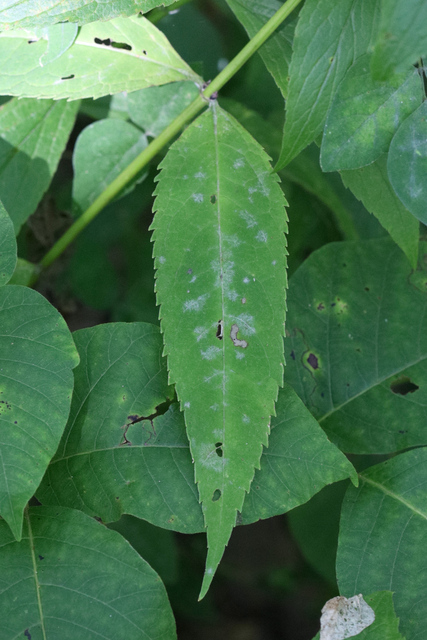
[68, 77]
[116, 45]
[213, 199]
[107, 41]
[31, 41]
[403, 385]
[218, 449]
[313, 361]
[220, 330]
[216, 495]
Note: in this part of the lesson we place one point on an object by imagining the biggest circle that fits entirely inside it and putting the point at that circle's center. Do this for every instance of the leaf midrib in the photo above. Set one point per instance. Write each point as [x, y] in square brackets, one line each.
[393, 495]
[36, 580]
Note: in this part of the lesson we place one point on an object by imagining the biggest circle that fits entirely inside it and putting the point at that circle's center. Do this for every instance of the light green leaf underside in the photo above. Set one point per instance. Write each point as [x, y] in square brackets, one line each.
[7, 247]
[407, 162]
[386, 624]
[372, 186]
[365, 114]
[220, 255]
[329, 37]
[154, 108]
[354, 310]
[102, 151]
[70, 577]
[37, 354]
[24, 272]
[402, 37]
[60, 37]
[89, 69]
[33, 135]
[150, 473]
[277, 51]
[383, 535]
[15, 14]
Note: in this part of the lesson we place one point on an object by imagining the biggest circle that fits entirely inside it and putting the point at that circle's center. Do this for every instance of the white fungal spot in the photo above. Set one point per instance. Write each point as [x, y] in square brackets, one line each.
[232, 295]
[197, 197]
[209, 458]
[233, 335]
[211, 353]
[215, 374]
[261, 236]
[201, 332]
[214, 407]
[237, 164]
[248, 218]
[185, 177]
[193, 279]
[224, 274]
[246, 280]
[187, 405]
[274, 263]
[232, 241]
[200, 175]
[243, 300]
[162, 259]
[344, 618]
[195, 304]
[246, 419]
[246, 324]
[239, 355]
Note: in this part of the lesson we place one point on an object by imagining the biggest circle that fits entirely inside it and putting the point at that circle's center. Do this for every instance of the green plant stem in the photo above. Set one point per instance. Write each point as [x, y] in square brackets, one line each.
[169, 133]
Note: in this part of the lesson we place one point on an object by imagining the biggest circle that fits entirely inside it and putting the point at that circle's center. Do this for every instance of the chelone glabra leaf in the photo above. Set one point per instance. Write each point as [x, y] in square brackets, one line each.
[220, 254]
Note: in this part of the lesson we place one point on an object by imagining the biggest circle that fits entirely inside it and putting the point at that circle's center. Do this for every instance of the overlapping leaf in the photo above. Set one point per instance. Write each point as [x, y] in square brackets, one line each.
[372, 186]
[102, 151]
[37, 354]
[407, 162]
[357, 346]
[7, 247]
[402, 37]
[220, 259]
[383, 535]
[15, 14]
[70, 577]
[124, 54]
[329, 37]
[33, 135]
[145, 468]
[277, 51]
[365, 114]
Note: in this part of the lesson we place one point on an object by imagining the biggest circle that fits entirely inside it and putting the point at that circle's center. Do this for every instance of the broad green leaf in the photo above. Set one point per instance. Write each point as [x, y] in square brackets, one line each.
[329, 37]
[15, 14]
[402, 37]
[220, 257]
[7, 247]
[59, 37]
[124, 54]
[386, 624]
[277, 51]
[37, 354]
[365, 114]
[70, 577]
[115, 106]
[102, 151]
[354, 309]
[33, 135]
[383, 535]
[407, 162]
[154, 108]
[372, 186]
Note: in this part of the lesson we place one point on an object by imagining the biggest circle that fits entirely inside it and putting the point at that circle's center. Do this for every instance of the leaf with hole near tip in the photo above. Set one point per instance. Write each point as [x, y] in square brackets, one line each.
[124, 54]
[220, 255]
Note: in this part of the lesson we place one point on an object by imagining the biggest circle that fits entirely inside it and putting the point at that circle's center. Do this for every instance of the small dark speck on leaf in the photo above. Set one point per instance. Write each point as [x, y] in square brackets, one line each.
[403, 386]
[133, 418]
[31, 41]
[313, 361]
[320, 306]
[333, 304]
[190, 271]
[27, 634]
[366, 288]
[293, 354]
[144, 52]
[402, 431]
[68, 77]
[322, 395]
[41, 557]
[213, 199]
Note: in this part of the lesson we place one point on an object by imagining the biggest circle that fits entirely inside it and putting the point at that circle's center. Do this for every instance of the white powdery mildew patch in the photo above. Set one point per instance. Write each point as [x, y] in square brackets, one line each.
[227, 272]
[232, 295]
[209, 458]
[200, 175]
[263, 187]
[193, 279]
[246, 419]
[239, 355]
[211, 353]
[261, 236]
[248, 218]
[187, 405]
[239, 163]
[162, 259]
[232, 241]
[197, 197]
[201, 332]
[245, 323]
[215, 373]
[195, 304]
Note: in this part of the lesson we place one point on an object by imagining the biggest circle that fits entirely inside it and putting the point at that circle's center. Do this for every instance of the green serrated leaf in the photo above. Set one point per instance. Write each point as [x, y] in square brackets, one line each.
[37, 354]
[16, 14]
[154, 108]
[383, 534]
[350, 304]
[220, 256]
[402, 37]
[33, 135]
[372, 186]
[325, 45]
[102, 151]
[124, 54]
[365, 114]
[7, 247]
[277, 51]
[70, 577]
[407, 162]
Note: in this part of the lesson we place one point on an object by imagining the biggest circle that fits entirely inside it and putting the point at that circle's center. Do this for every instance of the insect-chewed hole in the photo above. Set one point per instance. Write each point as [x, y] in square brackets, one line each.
[216, 495]
[220, 330]
[110, 43]
[218, 449]
[213, 199]
[403, 385]
[68, 77]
